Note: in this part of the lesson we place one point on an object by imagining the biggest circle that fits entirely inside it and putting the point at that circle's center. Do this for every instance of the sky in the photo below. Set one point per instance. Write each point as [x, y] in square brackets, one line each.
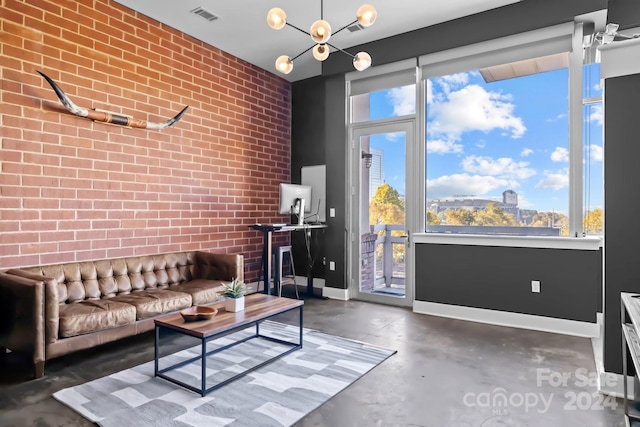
[485, 138]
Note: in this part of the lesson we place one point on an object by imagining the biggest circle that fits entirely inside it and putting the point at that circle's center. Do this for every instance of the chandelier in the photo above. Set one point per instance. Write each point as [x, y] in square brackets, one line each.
[320, 32]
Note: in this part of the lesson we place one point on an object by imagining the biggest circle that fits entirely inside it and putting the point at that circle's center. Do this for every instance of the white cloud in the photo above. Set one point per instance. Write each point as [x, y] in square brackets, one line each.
[443, 147]
[556, 118]
[503, 167]
[458, 79]
[560, 155]
[473, 108]
[403, 100]
[523, 202]
[526, 152]
[453, 81]
[554, 180]
[596, 115]
[596, 153]
[470, 185]
[394, 136]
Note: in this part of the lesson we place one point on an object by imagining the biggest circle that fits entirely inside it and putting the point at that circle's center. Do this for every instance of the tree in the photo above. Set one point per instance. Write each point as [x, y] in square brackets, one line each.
[551, 219]
[593, 222]
[493, 215]
[386, 194]
[432, 218]
[490, 215]
[387, 207]
[459, 216]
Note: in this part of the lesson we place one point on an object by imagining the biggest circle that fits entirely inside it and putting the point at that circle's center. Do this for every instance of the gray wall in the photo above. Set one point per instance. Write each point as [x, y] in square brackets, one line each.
[621, 177]
[308, 149]
[499, 278]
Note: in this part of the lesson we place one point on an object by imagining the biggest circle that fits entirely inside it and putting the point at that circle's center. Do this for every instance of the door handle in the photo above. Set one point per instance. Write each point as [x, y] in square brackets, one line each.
[408, 237]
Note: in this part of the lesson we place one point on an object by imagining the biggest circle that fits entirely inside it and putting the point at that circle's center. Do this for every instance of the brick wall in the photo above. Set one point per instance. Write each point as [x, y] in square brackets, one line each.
[73, 189]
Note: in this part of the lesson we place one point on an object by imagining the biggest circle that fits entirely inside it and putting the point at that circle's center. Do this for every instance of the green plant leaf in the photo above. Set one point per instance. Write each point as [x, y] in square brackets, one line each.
[235, 289]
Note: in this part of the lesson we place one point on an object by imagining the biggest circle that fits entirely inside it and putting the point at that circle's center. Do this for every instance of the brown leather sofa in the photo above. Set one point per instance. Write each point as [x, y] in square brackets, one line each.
[51, 310]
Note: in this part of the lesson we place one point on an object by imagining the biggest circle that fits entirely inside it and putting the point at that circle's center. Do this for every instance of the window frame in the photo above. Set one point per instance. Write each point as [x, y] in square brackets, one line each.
[567, 37]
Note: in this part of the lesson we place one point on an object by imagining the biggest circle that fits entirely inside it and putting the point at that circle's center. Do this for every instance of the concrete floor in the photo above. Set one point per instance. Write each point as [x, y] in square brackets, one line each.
[445, 373]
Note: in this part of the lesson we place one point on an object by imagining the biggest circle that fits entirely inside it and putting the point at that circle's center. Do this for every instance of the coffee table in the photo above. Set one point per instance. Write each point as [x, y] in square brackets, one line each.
[258, 307]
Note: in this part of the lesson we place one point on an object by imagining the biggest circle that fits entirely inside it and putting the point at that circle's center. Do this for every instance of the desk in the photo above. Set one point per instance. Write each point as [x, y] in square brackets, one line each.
[267, 231]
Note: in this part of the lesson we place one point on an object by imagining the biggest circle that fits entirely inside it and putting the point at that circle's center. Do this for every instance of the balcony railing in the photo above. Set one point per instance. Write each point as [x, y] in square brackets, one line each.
[391, 245]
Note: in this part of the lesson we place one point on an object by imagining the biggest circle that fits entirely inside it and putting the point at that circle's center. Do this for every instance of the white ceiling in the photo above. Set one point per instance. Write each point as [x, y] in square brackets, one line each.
[241, 28]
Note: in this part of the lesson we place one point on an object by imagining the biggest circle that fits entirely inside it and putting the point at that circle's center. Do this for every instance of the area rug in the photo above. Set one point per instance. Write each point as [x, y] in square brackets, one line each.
[278, 394]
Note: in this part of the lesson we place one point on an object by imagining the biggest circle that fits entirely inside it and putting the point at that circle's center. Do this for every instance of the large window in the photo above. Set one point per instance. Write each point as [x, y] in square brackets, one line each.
[513, 135]
[497, 153]
[500, 154]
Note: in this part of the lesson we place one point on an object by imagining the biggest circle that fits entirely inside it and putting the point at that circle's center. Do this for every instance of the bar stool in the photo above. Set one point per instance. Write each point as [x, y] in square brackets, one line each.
[279, 278]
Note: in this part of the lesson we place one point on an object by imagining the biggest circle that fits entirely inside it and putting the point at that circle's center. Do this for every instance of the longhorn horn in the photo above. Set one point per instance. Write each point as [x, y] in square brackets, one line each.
[109, 117]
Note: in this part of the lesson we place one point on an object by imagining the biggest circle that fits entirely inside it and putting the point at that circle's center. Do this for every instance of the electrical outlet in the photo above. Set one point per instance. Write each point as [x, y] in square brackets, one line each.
[535, 286]
[332, 265]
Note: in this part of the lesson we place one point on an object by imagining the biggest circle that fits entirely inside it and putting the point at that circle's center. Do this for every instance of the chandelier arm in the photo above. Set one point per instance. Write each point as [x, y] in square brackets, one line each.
[302, 53]
[299, 29]
[344, 28]
[341, 50]
[321, 9]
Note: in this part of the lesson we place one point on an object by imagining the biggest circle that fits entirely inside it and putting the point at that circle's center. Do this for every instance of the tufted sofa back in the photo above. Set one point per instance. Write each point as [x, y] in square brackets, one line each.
[79, 281]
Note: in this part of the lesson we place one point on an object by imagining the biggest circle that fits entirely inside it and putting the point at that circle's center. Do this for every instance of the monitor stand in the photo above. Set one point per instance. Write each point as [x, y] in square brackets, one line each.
[300, 205]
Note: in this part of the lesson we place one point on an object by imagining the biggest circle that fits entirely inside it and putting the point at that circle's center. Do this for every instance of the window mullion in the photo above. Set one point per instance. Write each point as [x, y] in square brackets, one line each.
[575, 134]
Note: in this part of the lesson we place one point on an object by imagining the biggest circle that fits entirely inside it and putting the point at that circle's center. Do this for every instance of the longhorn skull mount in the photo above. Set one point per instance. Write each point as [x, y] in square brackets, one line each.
[101, 116]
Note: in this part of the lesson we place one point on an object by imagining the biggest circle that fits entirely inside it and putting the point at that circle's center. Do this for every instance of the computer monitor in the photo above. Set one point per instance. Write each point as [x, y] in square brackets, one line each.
[292, 198]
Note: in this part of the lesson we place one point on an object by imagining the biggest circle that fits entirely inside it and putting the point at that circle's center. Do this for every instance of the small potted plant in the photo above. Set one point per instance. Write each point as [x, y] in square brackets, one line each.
[234, 292]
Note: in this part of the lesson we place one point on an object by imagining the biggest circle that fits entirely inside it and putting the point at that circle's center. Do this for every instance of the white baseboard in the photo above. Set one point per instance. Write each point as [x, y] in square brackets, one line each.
[611, 384]
[335, 293]
[505, 318]
[317, 282]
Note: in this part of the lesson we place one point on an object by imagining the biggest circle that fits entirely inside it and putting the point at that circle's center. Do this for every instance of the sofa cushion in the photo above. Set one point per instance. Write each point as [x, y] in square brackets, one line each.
[152, 302]
[202, 291]
[94, 315]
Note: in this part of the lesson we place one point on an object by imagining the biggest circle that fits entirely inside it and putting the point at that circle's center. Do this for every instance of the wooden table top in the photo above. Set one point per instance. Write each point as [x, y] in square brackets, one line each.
[256, 307]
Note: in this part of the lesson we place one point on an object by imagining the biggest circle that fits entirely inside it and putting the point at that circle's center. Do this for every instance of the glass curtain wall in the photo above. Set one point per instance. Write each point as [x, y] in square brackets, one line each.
[499, 140]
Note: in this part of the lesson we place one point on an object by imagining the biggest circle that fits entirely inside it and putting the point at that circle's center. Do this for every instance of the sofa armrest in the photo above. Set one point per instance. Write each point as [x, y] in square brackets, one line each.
[51, 303]
[212, 266]
[22, 315]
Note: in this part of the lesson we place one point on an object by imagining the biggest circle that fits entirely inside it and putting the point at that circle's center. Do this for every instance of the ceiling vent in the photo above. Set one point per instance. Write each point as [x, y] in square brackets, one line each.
[204, 14]
[355, 27]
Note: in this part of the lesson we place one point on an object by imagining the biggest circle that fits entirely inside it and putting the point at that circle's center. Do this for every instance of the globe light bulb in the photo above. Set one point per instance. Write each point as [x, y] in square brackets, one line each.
[361, 61]
[320, 31]
[284, 64]
[276, 18]
[321, 52]
[366, 15]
